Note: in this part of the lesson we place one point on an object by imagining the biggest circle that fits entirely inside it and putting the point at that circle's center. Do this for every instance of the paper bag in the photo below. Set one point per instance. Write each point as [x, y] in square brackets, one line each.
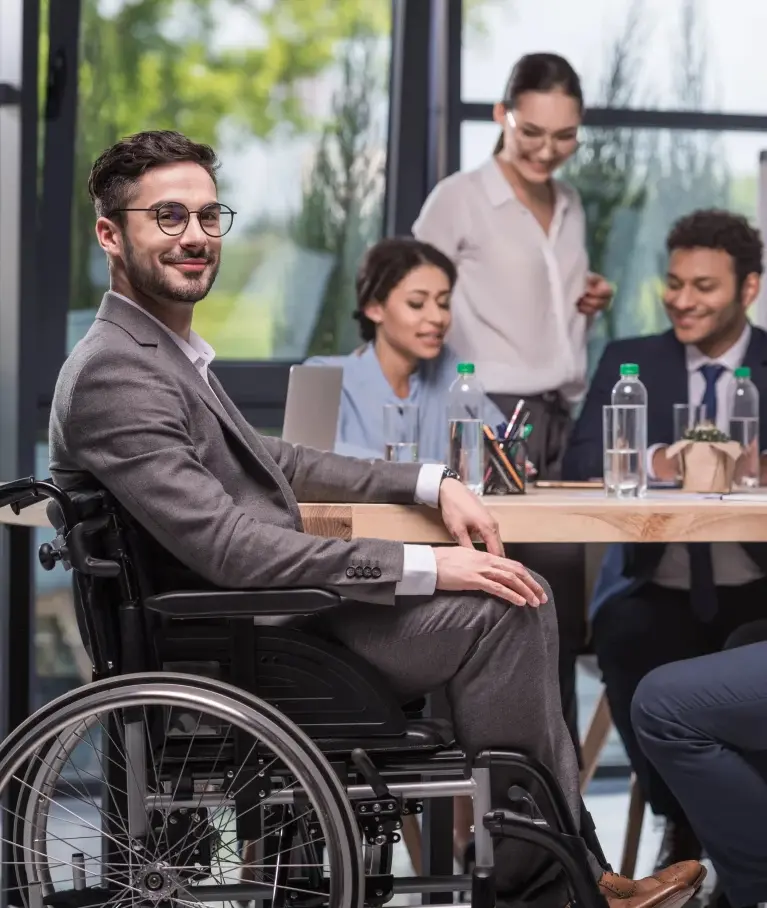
[707, 466]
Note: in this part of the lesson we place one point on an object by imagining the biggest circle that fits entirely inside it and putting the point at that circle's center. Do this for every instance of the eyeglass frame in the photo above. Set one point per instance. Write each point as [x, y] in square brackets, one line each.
[535, 143]
[198, 212]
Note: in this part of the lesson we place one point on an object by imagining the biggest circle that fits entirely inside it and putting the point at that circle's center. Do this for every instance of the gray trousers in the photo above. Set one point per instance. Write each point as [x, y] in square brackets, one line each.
[499, 664]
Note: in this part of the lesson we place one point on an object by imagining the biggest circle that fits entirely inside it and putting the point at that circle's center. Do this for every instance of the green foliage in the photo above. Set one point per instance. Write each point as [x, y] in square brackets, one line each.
[707, 433]
[161, 64]
[341, 212]
[605, 169]
[634, 183]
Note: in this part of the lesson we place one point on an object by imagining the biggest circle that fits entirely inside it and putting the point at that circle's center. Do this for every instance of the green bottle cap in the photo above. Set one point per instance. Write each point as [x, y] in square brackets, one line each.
[629, 369]
[743, 372]
[466, 368]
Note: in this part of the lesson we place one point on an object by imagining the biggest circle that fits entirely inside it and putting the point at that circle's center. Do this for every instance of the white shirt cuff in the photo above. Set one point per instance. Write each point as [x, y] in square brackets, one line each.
[650, 454]
[419, 572]
[428, 483]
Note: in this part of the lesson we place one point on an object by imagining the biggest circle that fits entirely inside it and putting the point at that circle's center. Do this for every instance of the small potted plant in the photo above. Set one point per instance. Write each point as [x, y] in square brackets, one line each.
[708, 459]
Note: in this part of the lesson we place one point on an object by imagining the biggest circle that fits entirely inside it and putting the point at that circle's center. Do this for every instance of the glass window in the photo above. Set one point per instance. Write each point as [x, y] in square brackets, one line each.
[634, 184]
[659, 54]
[294, 97]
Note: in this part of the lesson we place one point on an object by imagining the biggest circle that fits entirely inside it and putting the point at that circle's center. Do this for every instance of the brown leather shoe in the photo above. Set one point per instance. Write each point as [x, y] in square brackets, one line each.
[668, 888]
[659, 899]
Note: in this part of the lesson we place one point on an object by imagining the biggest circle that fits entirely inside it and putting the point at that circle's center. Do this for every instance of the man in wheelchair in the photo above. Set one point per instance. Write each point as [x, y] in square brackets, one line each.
[138, 412]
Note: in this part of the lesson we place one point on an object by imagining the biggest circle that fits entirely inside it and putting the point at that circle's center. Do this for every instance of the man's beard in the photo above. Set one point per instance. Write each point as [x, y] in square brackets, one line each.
[150, 279]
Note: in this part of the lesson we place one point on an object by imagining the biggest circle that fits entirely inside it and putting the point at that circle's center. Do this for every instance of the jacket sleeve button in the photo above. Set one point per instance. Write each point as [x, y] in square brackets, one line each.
[376, 572]
[350, 572]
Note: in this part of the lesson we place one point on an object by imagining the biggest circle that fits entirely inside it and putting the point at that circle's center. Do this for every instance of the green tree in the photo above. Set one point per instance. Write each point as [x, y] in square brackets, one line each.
[162, 64]
[342, 212]
[605, 169]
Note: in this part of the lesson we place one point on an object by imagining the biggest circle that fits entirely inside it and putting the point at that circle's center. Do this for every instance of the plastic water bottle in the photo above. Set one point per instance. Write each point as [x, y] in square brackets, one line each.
[625, 451]
[744, 427]
[464, 419]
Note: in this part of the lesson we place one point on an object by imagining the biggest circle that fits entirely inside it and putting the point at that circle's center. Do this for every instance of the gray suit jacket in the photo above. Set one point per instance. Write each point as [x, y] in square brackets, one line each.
[132, 412]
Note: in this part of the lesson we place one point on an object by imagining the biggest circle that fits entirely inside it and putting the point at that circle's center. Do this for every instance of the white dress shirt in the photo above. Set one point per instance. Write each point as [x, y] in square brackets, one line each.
[732, 566]
[419, 573]
[514, 306]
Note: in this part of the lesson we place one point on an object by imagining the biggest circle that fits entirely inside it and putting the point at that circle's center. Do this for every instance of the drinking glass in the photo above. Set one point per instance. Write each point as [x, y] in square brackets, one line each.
[625, 450]
[686, 417]
[401, 433]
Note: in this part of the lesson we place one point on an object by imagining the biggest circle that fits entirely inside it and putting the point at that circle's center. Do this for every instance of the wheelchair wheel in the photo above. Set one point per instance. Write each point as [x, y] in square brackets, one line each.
[150, 789]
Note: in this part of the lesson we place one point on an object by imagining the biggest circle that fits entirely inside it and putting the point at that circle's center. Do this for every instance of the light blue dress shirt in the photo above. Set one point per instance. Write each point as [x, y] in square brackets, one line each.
[365, 391]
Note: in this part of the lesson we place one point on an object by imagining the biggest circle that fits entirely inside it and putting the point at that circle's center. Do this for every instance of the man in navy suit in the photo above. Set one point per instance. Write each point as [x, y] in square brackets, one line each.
[703, 724]
[658, 604]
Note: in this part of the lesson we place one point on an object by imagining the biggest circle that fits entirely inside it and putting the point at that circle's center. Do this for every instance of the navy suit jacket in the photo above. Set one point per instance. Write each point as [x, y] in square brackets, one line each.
[663, 370]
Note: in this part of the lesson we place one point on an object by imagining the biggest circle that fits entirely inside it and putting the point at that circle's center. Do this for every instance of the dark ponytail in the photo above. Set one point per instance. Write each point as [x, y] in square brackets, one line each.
[542, 73]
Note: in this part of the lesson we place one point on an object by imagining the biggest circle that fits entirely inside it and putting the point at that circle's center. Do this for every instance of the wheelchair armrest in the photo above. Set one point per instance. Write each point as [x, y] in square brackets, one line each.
[240, 603]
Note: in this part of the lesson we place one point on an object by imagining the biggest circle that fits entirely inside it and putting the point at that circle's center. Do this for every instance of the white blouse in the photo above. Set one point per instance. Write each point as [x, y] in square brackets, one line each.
[514, 306]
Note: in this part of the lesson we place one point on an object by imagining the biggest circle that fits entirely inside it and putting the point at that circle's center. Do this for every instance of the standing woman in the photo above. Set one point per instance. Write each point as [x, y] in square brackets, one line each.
[524, 298]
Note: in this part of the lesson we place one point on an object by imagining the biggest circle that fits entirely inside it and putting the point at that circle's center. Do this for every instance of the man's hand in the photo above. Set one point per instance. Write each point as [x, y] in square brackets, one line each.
[665, 468]
[464, 514]
[460, 569]
[598, 295]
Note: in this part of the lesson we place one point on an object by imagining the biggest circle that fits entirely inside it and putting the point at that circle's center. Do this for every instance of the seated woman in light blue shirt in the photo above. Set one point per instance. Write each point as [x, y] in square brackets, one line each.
[403, 307]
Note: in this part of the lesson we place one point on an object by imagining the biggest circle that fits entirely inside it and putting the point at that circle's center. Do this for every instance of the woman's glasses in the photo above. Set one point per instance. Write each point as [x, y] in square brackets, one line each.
[561, 143]
[173, 218]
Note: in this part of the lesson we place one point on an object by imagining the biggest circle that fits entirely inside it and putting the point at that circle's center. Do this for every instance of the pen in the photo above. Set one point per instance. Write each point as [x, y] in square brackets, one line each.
[518, 428]
[514, 417]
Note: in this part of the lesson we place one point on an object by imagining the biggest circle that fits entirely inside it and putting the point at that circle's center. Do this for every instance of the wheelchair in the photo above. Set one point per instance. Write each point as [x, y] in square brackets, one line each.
[226, 752]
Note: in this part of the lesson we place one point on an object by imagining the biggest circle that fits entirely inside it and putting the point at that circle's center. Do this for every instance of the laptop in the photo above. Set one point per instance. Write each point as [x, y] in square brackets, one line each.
[312, 406]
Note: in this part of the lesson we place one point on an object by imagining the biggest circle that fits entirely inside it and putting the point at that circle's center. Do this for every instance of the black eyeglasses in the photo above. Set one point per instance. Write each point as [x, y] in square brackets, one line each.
[173, 218]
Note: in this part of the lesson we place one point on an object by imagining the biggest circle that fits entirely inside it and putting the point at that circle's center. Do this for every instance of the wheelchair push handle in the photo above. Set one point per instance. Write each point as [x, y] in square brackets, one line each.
[11, 493]
[21, 493]
[73, 549]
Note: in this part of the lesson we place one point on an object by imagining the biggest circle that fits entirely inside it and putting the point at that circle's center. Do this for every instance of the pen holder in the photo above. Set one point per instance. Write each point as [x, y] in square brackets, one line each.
[505, 465]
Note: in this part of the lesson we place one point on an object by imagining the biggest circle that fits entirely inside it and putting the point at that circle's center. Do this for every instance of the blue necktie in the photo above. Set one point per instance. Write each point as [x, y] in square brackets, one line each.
[702, 588]
[711, 373]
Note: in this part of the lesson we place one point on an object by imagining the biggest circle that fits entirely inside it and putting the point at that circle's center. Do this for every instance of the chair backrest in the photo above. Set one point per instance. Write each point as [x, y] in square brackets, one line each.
[97, 599]
[328, 691]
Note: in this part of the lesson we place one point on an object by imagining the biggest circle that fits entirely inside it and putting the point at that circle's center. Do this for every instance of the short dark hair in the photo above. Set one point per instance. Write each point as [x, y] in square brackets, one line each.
[540, 72]
[385, 265]
[715, 229]
[115, 172]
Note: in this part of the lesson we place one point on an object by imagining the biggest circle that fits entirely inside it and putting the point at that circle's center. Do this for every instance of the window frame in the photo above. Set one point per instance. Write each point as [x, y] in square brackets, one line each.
[257, 387]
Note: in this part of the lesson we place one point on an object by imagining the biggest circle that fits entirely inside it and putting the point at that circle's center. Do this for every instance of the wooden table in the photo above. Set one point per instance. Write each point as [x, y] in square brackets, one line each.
[539, 516]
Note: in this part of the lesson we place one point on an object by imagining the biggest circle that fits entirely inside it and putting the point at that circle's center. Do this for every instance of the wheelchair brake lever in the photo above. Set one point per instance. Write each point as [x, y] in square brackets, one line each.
[369, 773]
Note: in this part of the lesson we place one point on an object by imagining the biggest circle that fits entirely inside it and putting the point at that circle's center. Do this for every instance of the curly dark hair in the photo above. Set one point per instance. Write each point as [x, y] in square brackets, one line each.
[385, 265]
[714, 229]
[115, 173]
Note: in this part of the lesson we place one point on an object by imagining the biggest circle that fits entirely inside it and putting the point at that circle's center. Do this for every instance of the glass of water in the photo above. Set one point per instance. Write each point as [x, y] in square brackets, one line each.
[401, 433]
[624, 451]
[687, 417]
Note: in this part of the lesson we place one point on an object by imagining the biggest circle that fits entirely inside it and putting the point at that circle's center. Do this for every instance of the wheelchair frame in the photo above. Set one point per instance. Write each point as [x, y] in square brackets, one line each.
[374, 748]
